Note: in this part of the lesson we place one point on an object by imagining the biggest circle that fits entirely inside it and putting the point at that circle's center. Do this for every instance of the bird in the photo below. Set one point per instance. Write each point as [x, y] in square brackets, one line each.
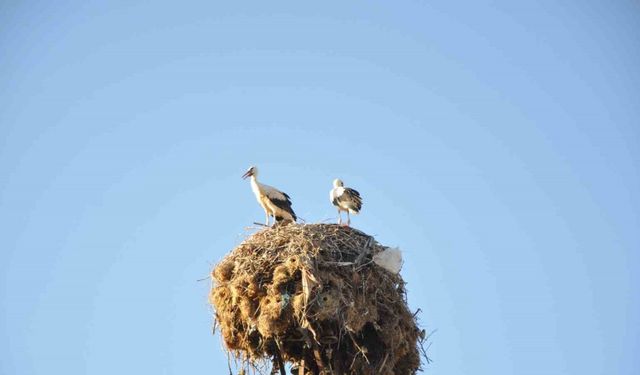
[274, 202]
[346, 199]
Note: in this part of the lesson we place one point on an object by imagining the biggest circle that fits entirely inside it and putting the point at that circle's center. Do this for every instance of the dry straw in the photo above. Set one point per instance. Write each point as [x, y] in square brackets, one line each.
[310, 295]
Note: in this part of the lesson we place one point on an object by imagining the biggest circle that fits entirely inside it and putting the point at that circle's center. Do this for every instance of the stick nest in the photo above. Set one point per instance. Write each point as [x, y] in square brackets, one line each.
[311, 295]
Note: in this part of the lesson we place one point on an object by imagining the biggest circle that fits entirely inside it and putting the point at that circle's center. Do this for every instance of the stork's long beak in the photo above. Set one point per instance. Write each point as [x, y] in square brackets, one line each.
[244, 176]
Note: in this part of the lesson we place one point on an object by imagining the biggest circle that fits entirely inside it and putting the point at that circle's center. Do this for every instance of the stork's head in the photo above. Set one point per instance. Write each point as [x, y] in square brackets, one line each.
[337, 183]
[252, 171]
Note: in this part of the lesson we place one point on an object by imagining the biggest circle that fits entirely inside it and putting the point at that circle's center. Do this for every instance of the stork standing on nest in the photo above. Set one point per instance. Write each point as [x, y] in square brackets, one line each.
[346, 199]
[274, 202]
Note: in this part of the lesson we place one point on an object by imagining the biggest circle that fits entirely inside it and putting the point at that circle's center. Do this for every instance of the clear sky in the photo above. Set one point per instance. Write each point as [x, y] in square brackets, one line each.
[495, 142]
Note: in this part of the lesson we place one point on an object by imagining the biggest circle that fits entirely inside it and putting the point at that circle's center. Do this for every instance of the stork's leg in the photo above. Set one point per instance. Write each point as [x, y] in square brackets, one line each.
[339, 217]
[266, 213]
[348, 219]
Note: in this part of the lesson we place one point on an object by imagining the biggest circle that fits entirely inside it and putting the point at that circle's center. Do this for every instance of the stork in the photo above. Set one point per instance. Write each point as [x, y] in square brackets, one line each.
[274, 202]
[346, 199]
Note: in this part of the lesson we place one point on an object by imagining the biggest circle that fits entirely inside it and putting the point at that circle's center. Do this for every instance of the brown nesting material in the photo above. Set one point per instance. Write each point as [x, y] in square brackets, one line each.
[312, 294]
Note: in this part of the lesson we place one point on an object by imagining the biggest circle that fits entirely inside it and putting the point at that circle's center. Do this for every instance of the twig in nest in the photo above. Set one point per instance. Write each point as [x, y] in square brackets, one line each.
[421, 342]
[279, 358]
[339, 264]
[384, 362]
[361, 256]
[360, 349]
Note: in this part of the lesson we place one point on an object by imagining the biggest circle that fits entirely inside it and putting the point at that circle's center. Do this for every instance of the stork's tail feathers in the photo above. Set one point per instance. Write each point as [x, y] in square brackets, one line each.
[281, 219]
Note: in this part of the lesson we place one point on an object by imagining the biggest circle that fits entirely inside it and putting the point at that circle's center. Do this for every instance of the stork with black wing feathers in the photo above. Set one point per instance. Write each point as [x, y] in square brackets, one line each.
[274, 202]
[345, 199]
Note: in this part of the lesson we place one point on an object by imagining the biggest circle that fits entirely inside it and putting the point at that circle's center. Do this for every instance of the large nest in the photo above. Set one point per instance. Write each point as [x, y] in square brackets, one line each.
[312, 296]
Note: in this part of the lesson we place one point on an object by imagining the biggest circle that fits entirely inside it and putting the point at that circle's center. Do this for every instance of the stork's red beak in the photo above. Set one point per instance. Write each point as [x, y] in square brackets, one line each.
[244, 176]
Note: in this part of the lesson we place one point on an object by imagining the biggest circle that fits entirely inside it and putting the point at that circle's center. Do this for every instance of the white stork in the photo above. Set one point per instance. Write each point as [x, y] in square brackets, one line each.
[274, 202]
[346, 199]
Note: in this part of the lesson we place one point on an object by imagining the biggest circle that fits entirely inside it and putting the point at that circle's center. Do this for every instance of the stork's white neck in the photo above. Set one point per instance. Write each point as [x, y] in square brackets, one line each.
[255, 186]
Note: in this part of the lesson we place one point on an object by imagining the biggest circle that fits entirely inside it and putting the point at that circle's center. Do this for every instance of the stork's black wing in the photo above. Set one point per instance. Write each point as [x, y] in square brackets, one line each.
[351, 199]
[283, 202]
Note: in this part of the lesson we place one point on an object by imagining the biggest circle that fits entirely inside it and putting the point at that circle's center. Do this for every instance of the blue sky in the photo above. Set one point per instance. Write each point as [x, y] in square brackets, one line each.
[495, 142]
